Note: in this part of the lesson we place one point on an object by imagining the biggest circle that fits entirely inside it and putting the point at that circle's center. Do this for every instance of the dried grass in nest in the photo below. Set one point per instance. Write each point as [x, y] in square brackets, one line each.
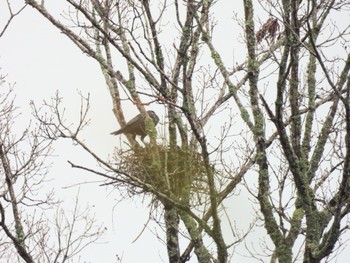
[178, 169]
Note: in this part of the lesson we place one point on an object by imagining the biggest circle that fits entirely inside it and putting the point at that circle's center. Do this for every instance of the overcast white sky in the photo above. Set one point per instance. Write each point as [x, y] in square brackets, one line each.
[41, 60]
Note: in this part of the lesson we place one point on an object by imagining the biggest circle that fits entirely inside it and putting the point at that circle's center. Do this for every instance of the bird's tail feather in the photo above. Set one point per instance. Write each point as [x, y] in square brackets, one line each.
[116, 132]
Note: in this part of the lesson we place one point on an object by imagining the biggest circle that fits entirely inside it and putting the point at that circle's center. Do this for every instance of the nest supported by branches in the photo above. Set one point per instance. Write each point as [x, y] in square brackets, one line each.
[165, 169]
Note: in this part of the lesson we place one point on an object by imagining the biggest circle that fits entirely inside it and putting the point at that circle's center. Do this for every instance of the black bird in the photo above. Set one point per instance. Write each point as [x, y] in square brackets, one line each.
[136, 126]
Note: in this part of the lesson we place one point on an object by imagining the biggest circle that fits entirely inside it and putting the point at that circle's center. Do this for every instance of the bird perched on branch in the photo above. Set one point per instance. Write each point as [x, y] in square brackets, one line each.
[137, 126]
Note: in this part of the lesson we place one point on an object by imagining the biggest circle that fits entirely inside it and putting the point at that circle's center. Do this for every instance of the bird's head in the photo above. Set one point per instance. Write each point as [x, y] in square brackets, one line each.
[153, 116]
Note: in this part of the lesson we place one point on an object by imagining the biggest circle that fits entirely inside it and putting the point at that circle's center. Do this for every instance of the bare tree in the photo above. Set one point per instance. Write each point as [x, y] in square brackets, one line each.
[27, 231]
[278, 113]
[27, 234]
[11, 14]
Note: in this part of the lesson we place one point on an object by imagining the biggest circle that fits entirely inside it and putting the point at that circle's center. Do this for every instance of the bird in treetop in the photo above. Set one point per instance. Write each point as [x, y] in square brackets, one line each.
[137, 126]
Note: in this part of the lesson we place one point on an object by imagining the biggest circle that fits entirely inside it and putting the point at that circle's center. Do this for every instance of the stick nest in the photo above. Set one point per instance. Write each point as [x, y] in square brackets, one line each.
[179, 170]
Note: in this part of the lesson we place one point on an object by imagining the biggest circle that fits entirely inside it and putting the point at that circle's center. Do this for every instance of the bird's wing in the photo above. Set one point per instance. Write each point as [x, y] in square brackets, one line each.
[128, 125]
[133, 120]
